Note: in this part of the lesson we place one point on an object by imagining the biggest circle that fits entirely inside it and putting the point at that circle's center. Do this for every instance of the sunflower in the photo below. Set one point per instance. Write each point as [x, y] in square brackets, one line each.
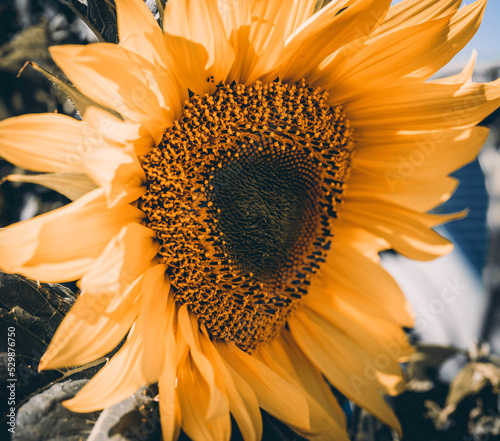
[238, 172]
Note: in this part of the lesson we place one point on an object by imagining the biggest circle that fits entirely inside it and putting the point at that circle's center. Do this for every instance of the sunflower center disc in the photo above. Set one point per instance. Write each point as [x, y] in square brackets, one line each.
[268, 211]
[242, 193]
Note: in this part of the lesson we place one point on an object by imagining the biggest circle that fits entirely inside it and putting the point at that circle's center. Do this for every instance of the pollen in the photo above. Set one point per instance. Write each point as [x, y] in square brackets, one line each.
[242, 193]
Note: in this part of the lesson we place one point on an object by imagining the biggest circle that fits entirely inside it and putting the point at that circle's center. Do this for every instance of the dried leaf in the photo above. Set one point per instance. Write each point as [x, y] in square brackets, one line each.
[492, 373]
[44, 418]
[30, 314]
[125, 421]
[425, 360]
[321, 4]
[100, 17]
[465, 383]
[71, 185]
[160, 6]
[470, 381]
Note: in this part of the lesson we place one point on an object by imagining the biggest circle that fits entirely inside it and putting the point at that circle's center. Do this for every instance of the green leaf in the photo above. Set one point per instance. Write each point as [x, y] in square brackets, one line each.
[39, 307]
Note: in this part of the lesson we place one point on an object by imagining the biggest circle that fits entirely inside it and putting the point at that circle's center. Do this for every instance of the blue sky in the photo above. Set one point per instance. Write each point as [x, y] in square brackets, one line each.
[486, 41]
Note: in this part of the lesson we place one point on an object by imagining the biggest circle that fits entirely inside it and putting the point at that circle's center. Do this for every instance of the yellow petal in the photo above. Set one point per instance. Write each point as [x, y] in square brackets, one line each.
[194, 399]
[249, 396]
[271, 23]
[139, 32]
[350, 275]
[235, 16]
[352, 375]
[237, 19]
[434, 220]
[157, 312]
[312, 380]
[327, 31]
[275, 395]
[301, 12]
[197, 42]
[358, 239]
[119, 379]
[426, 106]
[384, 342]
[424, 156]
[116, 132]
[47, 142]
[242, 401]
[126, 257]
[391, 187]
[327, 421]
[411, 12]
[463, 77]
[88, 332]
[188, 325]
[60, 246]
[462, 28]
[124, 81]
[118, 172]
[170, 412]
[382, 63]
[403, 228]
[81, 102]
